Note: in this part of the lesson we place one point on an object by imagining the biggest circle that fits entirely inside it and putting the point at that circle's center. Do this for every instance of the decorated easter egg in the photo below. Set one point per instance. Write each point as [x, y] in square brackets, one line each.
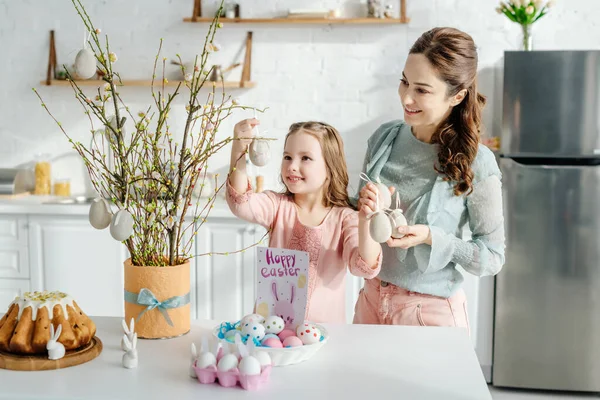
[100, 215]
[398, 219]
[85, 64]
[259, 152]
[227, 363]
[274, 324]
[270, 335]
[252, 318]
[253, 330]
[263, 358]
[285, 333]
[292, 341]
[273, 343]
[380, 227]
[385, 197]
[121, 226]
[249, 366]
[309, 334]
[302, 327]
[206, 360]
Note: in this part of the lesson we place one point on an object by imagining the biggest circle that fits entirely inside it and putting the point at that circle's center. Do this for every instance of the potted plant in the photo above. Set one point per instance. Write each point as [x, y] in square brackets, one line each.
[145, 175]
[525, 13]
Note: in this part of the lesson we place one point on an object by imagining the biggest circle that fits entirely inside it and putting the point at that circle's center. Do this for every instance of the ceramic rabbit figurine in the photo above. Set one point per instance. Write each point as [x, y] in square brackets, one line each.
[128, 331]
[284, 308]
[56, 350]
[130, 358]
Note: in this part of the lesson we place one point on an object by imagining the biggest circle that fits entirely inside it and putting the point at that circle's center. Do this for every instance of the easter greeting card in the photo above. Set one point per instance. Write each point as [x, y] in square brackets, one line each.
[282, 284]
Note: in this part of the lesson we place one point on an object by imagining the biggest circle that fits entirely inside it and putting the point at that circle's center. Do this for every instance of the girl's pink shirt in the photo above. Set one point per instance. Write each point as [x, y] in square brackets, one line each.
[332, 246]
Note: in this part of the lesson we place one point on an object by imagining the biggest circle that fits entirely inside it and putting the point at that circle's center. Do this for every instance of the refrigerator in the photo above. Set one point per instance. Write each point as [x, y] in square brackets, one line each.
[547, 296]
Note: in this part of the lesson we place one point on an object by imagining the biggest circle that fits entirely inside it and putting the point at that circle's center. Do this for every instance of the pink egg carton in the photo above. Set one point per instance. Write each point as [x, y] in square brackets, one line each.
[232, 377]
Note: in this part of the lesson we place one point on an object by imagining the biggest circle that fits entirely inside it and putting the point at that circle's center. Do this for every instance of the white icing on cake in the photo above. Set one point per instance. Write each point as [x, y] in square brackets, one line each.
[37, 300]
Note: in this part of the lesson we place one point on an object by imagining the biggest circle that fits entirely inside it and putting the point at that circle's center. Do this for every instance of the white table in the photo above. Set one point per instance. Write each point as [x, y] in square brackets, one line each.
[358, 362]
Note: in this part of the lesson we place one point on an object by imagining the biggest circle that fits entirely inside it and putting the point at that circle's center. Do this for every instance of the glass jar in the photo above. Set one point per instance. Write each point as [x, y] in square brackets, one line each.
[62, 187]
[42, 175]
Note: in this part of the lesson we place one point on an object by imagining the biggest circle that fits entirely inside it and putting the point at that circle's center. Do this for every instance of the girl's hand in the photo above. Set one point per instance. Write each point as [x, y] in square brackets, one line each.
[367, 201]
[245, 129]
[414, 235]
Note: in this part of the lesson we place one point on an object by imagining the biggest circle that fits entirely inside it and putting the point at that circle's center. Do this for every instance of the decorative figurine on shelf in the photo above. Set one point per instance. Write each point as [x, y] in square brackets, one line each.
[372, 8]
[389, 11]
[56, 350]
[128, 331]
[130, 358]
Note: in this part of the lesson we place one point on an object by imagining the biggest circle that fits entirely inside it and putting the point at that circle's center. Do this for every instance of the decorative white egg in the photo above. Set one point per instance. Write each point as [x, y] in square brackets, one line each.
[380, 227]
[309, 334]
[121, 226]
[259, 152]
[398, 219]
[253, 329]
[206, 360]
[274, 324]
[252, 318]
[249, 366]
[100, 216]
[303, 327]
[385, 197]
[263, 358]
[227, 363]
[85, 64]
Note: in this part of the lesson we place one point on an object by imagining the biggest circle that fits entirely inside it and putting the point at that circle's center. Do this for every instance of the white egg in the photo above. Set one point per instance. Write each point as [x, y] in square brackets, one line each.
[274, 324]
[263, 358]
[259, 152]
[227, 363]
[302, 327]
[100, 216]
[249, 366]
[121, 226]
[385, 197]
[310, 336]
[398, 219]
[85, 64]
[380, 227]
[252, 318]
[253, 329]
[205, 360]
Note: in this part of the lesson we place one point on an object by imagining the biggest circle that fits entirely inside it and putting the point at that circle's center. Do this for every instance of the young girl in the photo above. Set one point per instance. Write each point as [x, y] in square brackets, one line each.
[445, 179]
[314, 214]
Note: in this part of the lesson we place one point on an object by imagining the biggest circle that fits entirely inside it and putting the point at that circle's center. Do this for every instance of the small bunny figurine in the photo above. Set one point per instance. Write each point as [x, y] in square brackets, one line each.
[130, 358]
[284, 308]
[56, 350]
[193, 360]
[128, 332]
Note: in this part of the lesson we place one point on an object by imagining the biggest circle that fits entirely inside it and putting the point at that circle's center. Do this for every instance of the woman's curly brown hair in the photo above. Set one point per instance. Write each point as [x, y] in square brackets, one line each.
[453, 55]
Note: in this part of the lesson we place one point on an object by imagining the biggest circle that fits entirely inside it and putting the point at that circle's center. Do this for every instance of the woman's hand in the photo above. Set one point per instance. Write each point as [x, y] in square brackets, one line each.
[413, 236]
[368, 199]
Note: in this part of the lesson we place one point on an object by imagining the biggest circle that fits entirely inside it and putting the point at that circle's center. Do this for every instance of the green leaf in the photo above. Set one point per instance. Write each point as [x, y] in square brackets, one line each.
[509, 15]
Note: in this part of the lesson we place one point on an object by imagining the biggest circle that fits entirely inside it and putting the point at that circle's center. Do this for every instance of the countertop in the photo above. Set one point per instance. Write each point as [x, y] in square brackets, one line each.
[357, 362]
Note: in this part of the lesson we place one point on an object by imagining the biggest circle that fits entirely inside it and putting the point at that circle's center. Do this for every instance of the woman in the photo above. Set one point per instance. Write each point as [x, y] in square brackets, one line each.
[444, 179]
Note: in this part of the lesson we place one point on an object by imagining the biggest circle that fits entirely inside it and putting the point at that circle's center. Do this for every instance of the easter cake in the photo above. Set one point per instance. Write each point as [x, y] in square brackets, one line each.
[24, 329]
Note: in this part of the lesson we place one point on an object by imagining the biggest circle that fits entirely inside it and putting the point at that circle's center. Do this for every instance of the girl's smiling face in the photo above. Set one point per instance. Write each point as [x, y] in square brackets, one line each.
[303, 168]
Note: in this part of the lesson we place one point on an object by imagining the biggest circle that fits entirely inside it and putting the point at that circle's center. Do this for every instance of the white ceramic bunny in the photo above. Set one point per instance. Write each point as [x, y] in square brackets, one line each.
[128, 332]
[56, 350]
[130, 358]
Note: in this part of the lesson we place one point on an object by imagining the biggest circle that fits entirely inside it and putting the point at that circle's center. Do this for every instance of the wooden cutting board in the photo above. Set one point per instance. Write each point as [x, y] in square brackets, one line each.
[19, 362]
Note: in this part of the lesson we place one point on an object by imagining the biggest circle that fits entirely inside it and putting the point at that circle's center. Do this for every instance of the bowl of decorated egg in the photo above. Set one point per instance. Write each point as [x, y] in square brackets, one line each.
[284, 346]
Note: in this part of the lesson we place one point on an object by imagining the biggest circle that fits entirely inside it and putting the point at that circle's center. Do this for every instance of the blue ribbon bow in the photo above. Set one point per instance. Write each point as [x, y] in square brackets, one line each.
[147, 298]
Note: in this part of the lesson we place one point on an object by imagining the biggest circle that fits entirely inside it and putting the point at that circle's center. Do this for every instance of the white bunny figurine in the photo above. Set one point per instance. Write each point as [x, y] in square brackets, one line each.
[193, 360]
[56, 350]
[130, 358]
[128, 332]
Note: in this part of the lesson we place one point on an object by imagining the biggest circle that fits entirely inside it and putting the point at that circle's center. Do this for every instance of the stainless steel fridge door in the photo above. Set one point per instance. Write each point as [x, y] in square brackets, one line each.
[547, 315]
[551, 102]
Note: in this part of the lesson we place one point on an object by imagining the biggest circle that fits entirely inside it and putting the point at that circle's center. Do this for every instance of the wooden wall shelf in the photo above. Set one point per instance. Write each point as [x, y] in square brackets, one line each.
[148, 83]
[307, 21]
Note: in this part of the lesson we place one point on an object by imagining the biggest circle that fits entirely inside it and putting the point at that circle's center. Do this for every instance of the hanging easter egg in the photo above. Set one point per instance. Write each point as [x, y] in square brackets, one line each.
[385, 197]
[380, 227]
[398, 219]
[121, 226]
[100, 215]
[85, 64]
[259, 152]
